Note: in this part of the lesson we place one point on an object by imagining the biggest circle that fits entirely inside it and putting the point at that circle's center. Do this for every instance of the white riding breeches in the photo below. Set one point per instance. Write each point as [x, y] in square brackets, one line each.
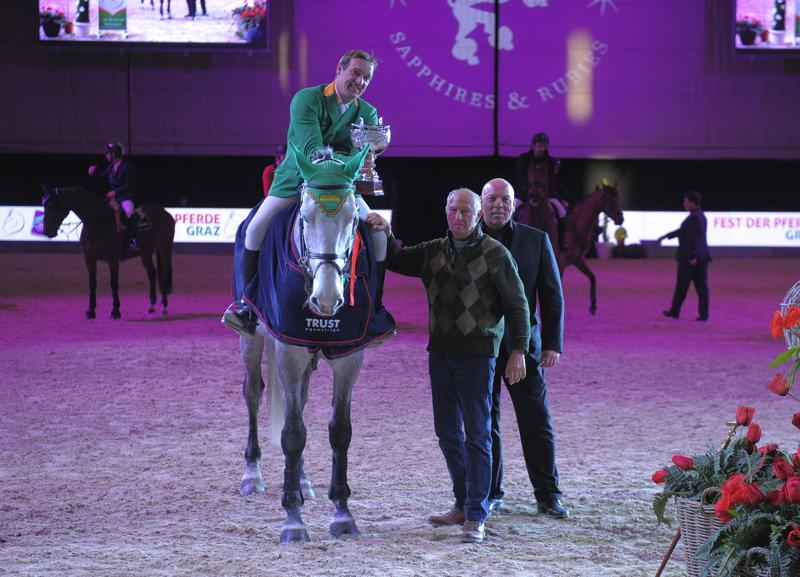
[127, 206]
[257, 229]
[559, 208]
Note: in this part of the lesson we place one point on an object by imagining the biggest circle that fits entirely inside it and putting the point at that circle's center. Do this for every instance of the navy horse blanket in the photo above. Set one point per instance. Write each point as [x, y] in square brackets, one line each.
[278, 294]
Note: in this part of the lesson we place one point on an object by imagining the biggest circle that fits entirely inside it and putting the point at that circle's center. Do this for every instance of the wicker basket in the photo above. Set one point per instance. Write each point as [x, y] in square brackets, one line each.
[698, 522]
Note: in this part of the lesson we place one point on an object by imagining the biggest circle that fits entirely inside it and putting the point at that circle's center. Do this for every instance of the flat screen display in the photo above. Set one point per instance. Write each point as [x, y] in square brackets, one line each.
[767, 26]
[155, 23]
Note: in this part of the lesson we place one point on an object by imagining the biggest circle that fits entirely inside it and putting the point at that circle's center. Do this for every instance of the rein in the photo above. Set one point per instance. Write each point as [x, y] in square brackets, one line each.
[330, 258]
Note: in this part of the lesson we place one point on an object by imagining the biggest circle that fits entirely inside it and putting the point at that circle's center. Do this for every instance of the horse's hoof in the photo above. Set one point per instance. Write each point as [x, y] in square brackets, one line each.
[307, 489]
[343, 527]
[252, 485]
[151, 311]
[592, 311]
[294, 534]
[115, 315]
[164, 312]
[90, 314]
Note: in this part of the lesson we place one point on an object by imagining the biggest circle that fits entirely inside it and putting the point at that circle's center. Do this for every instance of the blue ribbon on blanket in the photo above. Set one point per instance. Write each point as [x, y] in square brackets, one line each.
[278, 294]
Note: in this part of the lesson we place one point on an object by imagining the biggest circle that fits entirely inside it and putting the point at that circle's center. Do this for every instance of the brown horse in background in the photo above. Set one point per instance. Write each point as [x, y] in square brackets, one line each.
[101, 239]
[581, 225]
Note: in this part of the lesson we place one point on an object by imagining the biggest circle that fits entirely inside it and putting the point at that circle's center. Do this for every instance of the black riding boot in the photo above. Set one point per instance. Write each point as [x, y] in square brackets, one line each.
[239, 317]
[562, 234]
[132, 228]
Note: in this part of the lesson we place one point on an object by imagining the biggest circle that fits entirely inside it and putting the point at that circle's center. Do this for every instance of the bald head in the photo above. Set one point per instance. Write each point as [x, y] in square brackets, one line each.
[497, 203]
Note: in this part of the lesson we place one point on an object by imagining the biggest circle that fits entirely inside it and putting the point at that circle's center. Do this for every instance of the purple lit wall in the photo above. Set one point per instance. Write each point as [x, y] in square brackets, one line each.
[656, 79]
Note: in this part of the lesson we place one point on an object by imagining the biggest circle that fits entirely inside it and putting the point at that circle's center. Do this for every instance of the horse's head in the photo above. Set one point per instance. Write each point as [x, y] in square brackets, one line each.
[328, 222]
[611, 204]
[55, 211]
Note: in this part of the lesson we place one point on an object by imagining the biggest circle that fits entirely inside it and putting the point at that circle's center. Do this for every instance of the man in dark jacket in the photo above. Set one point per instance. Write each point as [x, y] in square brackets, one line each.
[118, 179]
[692, 256]
[472, 286]
[536, 262]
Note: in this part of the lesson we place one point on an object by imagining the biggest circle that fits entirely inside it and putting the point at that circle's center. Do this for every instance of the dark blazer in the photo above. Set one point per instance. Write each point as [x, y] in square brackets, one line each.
[123, 181]
[538, 270]
[691, 236]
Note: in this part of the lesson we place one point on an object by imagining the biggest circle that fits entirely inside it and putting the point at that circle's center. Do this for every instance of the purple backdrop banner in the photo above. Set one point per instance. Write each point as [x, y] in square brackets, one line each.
[603, 77]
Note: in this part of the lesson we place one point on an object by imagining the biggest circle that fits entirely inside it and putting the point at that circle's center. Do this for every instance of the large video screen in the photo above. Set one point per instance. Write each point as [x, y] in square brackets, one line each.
[155, 23]
[768, 26]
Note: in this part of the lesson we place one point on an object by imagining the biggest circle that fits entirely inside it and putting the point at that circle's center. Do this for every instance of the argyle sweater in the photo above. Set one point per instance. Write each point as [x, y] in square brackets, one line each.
[469, 292]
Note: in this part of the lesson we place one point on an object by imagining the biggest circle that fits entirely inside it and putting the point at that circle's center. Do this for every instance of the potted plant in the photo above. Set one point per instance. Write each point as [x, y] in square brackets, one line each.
[251, 21]
[748, 27]
[51, 20]
[753, 529]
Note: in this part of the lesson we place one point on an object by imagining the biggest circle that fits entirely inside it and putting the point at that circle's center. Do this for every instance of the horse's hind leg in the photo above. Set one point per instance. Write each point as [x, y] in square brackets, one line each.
[252, 389]
[91, 267]
[147, 262]
[582, 266]
[340, 432]
[113, 267]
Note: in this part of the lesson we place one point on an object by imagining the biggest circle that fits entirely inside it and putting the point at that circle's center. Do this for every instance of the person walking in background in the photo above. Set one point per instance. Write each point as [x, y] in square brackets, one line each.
[536, 262]
[472, 285]
[692, 256]
[269, 172]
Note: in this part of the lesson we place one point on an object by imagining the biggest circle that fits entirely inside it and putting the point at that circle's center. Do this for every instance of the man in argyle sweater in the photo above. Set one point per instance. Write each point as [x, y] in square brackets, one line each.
[471, 283]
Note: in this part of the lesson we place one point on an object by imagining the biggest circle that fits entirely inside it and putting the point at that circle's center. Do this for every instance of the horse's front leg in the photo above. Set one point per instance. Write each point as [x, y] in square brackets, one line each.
[91, 267]
[340, 431]
[252, 390]
[113, 267]
[294, 372]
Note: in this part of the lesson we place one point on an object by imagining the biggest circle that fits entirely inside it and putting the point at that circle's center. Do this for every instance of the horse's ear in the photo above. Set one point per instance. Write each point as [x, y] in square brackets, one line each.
[353, 165]
[307, 169]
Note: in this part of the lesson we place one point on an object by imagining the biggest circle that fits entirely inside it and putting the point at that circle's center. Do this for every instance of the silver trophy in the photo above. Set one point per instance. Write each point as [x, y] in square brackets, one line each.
[377, 137]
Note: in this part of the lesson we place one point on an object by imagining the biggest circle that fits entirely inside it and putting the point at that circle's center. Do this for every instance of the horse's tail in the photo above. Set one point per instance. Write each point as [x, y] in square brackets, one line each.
[276, 414]
[164, 255]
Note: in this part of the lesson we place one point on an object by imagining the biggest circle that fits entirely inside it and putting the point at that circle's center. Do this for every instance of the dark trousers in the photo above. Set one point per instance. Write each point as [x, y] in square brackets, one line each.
[461, 392]
[192, 5]
[529, 397]
[687, 274]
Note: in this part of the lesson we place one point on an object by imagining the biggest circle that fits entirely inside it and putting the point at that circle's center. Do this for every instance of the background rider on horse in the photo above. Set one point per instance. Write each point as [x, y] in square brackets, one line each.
[537, 175]
[118, 179]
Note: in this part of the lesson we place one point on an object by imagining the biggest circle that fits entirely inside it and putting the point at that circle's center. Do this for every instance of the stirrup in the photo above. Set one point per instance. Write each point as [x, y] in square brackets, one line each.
[240, 319]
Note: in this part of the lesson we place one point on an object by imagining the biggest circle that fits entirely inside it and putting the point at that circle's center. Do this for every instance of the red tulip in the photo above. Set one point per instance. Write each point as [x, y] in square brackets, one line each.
[744, 415]
[754, 433]
[796, 420]
[723, 508]
[776, 325]
[793, 538]
[791, 318]
[778, 385]
[683, 462]
[775, 498]
[768, 448]
[792, 489]
[782, 468]
[660, 476]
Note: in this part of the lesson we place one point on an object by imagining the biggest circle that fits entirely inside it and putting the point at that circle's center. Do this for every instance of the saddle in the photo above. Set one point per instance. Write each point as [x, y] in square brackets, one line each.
[278, 293]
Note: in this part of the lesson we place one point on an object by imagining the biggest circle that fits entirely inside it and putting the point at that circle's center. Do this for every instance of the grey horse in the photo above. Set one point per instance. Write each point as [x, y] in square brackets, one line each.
[325, 229]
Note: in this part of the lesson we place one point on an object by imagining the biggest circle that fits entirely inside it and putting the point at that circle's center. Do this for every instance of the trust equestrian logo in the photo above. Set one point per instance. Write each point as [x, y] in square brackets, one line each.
[475, 34]
[315, 325]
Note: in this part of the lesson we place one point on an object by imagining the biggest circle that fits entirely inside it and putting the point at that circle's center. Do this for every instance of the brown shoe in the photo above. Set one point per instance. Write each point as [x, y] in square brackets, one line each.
[452, 517]
[472, 532]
